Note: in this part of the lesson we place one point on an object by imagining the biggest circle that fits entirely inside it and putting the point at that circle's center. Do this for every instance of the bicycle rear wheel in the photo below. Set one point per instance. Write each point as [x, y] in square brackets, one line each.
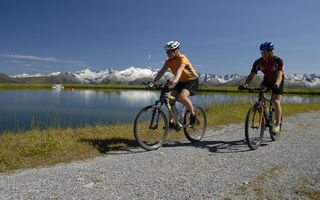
[195, 133]
[151, 128]
[273, 122]
[254, 127]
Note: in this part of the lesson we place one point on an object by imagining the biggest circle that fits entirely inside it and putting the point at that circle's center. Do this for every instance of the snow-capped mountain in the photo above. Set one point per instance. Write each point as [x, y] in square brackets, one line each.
[114, 76]
[310, 80]
[135, 75]
[130, 75]
[213, 79]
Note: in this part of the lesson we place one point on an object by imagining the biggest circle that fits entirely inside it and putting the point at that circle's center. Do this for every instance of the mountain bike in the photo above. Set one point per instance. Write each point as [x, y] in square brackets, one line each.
[259, 118]
[151, 126]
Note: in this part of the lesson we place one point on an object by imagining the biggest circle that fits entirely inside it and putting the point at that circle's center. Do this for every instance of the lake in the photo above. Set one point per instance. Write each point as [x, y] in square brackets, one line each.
[22, 109]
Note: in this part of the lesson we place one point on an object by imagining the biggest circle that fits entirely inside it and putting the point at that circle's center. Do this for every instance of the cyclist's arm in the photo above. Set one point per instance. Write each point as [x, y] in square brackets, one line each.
[279, 77]
[250, 77]
[179, 72]
[254, 71]
[160, 74]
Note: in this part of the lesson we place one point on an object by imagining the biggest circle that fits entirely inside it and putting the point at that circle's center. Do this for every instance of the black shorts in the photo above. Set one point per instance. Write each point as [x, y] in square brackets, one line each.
[191, 86]
[269, 87]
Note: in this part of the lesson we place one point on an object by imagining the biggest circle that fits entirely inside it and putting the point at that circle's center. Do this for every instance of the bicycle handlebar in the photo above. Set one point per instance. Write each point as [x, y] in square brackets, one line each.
[161, 86]
[252, 90]
[157, 86]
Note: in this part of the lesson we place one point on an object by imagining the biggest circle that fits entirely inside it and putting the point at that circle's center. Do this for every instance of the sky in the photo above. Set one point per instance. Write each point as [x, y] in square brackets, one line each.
[218, 37]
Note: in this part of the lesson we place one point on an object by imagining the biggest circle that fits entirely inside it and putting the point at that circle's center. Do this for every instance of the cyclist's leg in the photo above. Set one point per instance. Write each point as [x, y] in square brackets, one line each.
[277, 95]
[188, 90]
[278, 110]
[184, 99]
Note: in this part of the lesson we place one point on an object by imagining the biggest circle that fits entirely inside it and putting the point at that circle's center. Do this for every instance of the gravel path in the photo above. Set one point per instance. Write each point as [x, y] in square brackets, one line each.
[219, 167]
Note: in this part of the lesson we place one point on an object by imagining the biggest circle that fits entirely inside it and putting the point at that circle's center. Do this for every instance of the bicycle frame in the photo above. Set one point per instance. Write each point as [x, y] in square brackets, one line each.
[163, 100]
[262, 104]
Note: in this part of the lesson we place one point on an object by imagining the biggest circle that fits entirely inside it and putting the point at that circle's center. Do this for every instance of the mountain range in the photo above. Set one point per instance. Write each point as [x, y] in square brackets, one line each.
[135, 75]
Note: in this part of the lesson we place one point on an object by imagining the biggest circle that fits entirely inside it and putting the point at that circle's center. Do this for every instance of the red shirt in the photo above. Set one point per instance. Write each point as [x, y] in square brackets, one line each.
[269, 68]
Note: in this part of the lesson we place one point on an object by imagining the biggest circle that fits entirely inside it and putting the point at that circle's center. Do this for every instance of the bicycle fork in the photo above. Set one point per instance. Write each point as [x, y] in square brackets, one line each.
[155, 114]
[260, 117]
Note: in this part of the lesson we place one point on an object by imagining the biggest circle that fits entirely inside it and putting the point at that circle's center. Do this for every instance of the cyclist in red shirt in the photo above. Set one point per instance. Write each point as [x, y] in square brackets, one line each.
[272, 68]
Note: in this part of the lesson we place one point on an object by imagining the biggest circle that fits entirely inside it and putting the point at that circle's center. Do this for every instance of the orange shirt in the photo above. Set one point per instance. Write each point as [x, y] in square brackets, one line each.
[188, 73]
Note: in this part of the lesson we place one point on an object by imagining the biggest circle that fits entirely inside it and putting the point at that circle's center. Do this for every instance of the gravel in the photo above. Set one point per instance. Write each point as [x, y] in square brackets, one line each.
[219, 167]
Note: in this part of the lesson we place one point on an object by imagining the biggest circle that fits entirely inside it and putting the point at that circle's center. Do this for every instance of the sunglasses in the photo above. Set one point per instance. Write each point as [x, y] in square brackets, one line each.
[170, 51]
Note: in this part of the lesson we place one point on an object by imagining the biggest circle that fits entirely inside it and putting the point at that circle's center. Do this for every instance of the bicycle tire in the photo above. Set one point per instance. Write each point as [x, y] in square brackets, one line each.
[195, 132]
[254, 129]
[149, 134]
[273, 121]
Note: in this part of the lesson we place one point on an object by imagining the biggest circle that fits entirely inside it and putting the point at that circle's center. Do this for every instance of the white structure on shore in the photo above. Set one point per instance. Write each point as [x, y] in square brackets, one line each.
[57, 86]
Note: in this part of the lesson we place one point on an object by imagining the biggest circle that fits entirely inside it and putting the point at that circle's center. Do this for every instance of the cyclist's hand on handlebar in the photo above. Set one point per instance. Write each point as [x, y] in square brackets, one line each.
[275, 87]
[150, 84]
[242, 87]
[171, 82]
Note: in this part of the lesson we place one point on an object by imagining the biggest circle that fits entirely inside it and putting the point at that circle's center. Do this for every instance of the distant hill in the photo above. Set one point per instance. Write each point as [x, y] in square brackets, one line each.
[53, 79]
[6, 79]
[135, 76]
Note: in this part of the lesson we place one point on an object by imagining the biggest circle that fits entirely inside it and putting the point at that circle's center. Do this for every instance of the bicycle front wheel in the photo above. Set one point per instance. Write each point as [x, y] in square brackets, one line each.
[151, 128]
[195, 132]
[254, 127]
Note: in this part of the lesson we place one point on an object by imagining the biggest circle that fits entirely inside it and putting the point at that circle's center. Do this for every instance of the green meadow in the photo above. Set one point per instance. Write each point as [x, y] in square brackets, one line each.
[142, 87]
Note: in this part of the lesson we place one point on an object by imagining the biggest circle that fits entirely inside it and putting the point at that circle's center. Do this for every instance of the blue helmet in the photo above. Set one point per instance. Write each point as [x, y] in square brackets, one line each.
[267, 46]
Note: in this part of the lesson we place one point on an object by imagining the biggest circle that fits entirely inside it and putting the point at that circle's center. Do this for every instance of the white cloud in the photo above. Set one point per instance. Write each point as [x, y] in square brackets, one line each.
[27, 65]
[71, 62]
[51, 59]
[46, 59]
[149, 57]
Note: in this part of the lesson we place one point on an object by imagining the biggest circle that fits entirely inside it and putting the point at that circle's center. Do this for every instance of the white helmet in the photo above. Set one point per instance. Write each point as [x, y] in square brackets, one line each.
[172, 45]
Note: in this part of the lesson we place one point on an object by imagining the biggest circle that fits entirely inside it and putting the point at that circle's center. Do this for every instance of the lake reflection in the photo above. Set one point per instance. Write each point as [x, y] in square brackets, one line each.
[22, 109]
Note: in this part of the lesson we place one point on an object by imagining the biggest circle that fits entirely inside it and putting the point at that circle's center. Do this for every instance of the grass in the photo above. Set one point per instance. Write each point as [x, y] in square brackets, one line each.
[308, 188]
[12, 86]
[262, 187]
[47, 147]
[258, 185]
[122, 86]
[68, 86]
[304, 91]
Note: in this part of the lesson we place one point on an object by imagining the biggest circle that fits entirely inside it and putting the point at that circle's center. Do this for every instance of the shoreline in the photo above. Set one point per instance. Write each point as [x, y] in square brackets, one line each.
[12, 86]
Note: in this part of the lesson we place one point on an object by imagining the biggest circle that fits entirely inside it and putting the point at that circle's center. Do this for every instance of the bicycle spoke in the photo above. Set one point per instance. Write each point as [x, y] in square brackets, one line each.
[195, 132]
[151, 128]
[254, 127]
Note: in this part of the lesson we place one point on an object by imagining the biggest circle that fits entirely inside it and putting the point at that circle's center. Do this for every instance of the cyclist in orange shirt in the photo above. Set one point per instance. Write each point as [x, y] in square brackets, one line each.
[186, 79]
